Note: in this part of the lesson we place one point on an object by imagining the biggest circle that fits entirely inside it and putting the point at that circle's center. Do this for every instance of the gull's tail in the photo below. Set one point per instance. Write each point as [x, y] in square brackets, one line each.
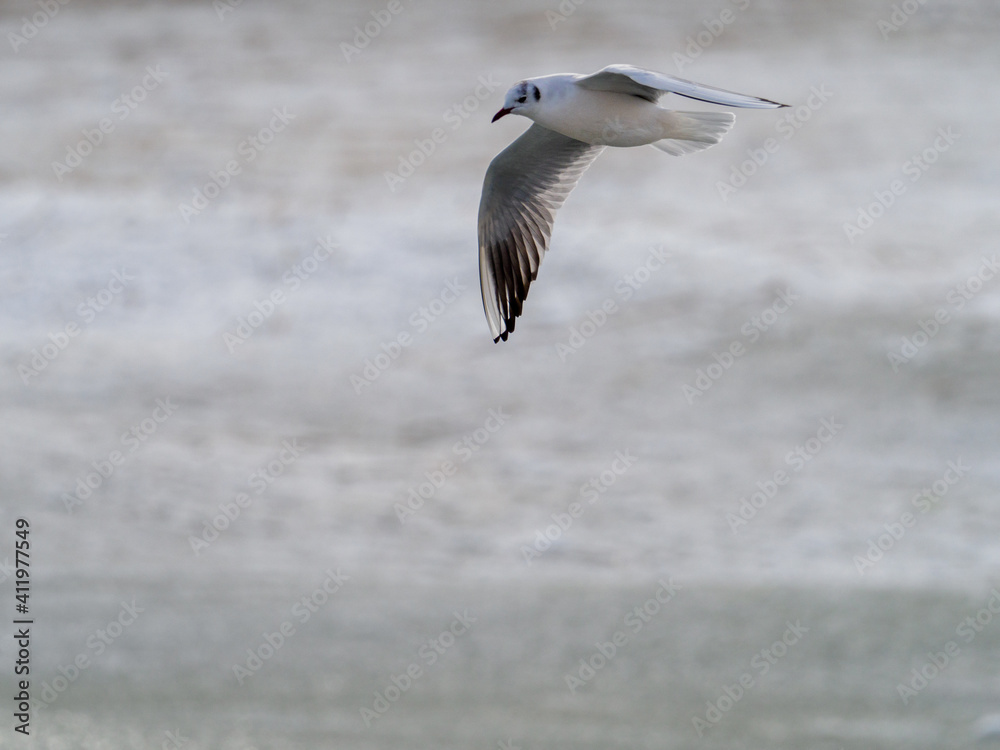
[687, 132]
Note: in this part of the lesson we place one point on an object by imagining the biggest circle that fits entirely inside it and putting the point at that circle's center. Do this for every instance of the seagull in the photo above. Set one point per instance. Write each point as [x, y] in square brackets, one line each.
[574, 118]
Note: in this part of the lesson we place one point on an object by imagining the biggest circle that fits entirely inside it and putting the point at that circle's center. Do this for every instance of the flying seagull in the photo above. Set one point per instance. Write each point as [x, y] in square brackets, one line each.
[575, 117]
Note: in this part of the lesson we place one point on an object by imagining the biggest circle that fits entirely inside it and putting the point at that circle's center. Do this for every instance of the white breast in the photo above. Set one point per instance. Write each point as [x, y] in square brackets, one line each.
[600, 117]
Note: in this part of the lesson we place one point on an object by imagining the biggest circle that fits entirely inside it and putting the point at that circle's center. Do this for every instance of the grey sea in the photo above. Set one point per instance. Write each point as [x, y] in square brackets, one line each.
[731, 483]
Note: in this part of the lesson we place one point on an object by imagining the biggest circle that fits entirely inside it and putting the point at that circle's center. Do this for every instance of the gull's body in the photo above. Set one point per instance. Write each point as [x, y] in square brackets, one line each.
[575, 117]
[596, 117]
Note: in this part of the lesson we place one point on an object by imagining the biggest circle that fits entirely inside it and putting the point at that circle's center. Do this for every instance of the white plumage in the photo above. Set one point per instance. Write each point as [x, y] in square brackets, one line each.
[575, 117]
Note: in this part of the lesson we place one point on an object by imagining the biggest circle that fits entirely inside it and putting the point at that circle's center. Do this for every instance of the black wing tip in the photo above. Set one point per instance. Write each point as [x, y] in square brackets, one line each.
[508, 326]
[771, 101]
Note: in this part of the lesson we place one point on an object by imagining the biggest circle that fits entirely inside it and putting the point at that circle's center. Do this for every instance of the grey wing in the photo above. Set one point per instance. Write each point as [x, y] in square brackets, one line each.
[650, 85]
[525, 185]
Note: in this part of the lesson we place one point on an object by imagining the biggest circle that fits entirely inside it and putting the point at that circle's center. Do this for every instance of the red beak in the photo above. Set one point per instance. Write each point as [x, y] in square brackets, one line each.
[501, 113]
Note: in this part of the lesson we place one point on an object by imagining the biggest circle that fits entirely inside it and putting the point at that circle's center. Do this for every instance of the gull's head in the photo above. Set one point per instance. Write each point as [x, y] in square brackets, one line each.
[522, 98]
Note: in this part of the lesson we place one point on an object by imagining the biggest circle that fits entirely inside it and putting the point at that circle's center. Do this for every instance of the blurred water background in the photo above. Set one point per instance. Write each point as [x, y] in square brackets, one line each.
[224, 371]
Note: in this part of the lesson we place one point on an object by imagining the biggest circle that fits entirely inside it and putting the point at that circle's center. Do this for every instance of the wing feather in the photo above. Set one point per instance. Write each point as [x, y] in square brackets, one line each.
[650, 85]
[525, 185]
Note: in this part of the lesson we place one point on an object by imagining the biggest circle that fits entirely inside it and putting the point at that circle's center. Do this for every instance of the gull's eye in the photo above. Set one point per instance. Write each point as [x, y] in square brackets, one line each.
[521, 100]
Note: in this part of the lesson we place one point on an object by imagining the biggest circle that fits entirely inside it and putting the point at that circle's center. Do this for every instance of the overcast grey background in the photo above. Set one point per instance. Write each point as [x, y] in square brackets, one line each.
[281, 412]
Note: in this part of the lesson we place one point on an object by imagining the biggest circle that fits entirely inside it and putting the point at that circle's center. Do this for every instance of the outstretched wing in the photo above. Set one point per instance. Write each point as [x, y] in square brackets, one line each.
[650, 85]
[525, 185]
